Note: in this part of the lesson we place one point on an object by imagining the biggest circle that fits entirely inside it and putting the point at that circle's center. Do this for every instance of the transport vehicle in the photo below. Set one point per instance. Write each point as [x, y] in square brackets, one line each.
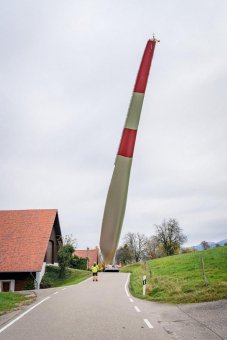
[112, 268]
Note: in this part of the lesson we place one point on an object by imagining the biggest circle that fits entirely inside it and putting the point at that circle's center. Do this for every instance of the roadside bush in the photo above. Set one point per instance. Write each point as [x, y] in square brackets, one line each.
[73, 276]
[44, 285]
[53, 271]
[52, 275]
[29, 284]
[64, 257]
[77, 262]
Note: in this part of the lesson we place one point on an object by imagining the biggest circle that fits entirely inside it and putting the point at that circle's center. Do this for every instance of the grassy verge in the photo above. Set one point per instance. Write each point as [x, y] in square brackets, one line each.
[13, 301]
[179, 279]
[73, 276]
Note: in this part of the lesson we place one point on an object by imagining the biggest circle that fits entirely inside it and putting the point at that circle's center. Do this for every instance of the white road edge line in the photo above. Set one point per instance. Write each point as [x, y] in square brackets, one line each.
[131, 299]
[83, 281]
[76, 284]
[126, 284]
[137, 309]
[64, 288]
[56, 292]
[148, 323]
[19, 317]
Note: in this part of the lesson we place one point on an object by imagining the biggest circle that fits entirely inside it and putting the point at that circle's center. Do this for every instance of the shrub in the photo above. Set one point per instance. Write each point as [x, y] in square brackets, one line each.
[44, 285]
[29, 284]
[77, 262]
[64, 257]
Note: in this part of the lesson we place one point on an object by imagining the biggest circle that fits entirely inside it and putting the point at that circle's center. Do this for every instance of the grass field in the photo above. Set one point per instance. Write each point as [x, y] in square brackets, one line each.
[9, 301]
[179, 278]
[73, 276]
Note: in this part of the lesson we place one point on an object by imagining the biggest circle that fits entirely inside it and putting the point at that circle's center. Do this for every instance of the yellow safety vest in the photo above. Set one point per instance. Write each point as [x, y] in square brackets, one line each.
[94, 269]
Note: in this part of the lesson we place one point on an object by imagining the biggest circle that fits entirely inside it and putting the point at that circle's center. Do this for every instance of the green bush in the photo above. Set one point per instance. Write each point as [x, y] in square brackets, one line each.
[77, 262]
[44, 285]
[53, 271]
[29, 284]
[64, 257]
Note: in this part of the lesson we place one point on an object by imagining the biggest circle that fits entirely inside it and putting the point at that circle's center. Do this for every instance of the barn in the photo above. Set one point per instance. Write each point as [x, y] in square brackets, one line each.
[29, 240]
[90, 254]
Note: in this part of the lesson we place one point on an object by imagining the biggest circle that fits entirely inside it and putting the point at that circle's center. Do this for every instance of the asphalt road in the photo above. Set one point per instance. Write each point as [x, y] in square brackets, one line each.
[105, 310]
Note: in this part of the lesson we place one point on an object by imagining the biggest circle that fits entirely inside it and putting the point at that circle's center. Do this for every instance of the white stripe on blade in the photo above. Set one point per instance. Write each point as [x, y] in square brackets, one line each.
[133, 116]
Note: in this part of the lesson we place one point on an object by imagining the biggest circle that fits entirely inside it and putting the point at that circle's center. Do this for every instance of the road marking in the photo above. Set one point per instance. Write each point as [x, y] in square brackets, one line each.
[131, 299]
[137, 309]
[148, 323]
[126, 284]
[19, 317]
[76, 284]
[64, 288]
[56, 293]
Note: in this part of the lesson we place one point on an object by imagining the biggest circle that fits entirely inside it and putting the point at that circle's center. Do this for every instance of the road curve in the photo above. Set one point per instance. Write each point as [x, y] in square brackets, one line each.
[101, 310]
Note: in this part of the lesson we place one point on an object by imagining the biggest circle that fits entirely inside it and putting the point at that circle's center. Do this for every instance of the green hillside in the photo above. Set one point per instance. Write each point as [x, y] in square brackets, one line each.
[179, 278]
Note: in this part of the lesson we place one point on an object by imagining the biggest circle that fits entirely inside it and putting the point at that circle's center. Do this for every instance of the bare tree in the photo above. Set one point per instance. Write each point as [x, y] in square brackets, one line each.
[169, 234]
[68, 240]
[136, 242]
[124, 255]
[150, 248]
[205, 245]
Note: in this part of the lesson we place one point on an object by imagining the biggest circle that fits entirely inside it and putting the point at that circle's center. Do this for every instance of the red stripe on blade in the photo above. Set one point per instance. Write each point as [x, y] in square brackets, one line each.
[127, 143]
[141, 81]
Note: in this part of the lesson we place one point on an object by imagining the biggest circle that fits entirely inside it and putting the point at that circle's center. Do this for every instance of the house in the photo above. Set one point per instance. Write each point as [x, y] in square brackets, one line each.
[28, 242]
[92, 255]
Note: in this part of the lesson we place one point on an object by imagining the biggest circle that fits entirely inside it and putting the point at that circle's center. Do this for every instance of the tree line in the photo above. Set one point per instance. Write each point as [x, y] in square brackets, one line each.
[167, 241]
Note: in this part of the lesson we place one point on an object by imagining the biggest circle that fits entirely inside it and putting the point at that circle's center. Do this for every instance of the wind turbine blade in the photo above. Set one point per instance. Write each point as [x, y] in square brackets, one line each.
[117, 195]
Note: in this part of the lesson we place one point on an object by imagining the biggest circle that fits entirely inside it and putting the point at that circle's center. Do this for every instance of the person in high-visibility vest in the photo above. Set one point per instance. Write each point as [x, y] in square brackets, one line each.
[95, 269]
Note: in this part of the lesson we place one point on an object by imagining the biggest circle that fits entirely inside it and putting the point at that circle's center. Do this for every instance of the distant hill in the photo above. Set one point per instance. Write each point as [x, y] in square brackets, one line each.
[199, 247]
[222, 242]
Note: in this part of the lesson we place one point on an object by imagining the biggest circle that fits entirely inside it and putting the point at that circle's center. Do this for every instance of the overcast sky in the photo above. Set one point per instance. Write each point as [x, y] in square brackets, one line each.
[67, 73]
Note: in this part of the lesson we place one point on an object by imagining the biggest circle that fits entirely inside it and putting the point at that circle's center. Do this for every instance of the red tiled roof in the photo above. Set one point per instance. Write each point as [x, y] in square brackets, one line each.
[91, 254]
[24, 237]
